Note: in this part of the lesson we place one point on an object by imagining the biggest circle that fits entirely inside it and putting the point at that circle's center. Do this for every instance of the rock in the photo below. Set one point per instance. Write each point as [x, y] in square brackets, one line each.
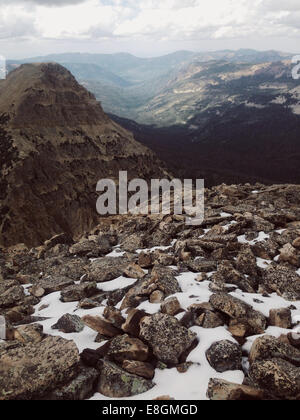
[91, 357]
[239, 310]
[50, 284]
[69, 324]
[80, 388]
[134, 271]
[277, 377]
[171, 306]
[246, 262]
[78, 292]
[101, 326]
[37, 291]
[133, 242]
[226, 273]
[114, 316]
[91, 303]
[12, 297]
[202, 315]
[115, 382]
[132, 323]
[281, 318]
[145, 370]
[168, 339]
[284, 281]
[29, 334]
[138, 293]
[106, 269]
[268, 347]
[224, 356]
[124, 347]
[165, 280]
[201, 266]
[145, 260]
[221, 390]
[289, 254]
[31, 371]
[90, 249]
[157, 296]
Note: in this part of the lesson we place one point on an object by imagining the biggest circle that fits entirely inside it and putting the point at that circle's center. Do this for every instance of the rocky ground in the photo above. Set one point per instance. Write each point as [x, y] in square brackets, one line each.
[148, 307]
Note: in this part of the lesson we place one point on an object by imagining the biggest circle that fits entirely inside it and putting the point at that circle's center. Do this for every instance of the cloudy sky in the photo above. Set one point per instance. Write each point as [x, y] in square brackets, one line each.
[146, 27]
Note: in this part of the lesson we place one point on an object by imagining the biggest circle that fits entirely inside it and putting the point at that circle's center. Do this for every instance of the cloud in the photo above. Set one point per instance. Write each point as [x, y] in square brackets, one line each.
[176, 21]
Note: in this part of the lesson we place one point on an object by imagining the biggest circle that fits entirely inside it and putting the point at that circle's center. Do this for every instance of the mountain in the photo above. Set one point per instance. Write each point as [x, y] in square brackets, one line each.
[56, 143]
[226, 122]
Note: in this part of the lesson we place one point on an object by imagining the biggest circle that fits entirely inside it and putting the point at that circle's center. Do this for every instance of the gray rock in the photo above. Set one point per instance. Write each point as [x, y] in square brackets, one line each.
[69, 324]
[224, 356]
[31, 371]
[117, 383]
[221, 390]
[166, 336]
[277, 377]
[284, 281]
[78, 292]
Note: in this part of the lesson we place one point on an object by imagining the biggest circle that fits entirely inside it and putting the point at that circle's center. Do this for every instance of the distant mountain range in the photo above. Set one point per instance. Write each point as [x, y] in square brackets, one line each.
[228, 116]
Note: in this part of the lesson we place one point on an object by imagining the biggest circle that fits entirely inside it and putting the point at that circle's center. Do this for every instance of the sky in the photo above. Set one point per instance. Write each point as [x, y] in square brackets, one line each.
[146, 27]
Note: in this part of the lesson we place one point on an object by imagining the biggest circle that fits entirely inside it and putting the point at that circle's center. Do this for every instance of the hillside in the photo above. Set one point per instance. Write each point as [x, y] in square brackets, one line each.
[56, 143]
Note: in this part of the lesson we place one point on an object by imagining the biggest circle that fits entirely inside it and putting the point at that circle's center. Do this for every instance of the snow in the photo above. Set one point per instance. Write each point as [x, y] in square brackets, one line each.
[191, 385]
[262, 236]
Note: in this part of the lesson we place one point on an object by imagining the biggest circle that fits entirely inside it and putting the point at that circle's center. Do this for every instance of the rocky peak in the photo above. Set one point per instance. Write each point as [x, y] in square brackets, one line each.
[58, 143]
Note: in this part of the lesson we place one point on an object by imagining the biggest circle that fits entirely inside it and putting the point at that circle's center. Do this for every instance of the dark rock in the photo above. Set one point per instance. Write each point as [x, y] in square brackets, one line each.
[69, 324]
[224, 356]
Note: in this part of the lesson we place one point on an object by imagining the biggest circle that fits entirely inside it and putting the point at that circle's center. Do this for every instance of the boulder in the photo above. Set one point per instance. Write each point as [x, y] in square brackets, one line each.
[289, 254]
[268, 347]
[115, 382]
[221, 390]
[78, 292]
[166, 336]
[224, 356]
[284, 281]
[31, 371]
[239, 310]
[124, 347]
[277, 377]
[69, 324]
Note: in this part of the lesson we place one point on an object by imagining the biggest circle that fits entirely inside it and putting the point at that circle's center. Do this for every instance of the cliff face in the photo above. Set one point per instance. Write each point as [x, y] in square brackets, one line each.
[56, 143]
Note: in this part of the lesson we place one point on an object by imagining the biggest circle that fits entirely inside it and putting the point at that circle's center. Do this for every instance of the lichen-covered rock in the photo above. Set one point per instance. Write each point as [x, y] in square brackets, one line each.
[80, 388]
[134, 271]
[124, 347]
[31, 371]
[277, 377]
[165, 280]
[79, 291]
[49, 285]
[29, 333]
[284, 281]
[114, 316]
[106, 269]
[69, 324]
[138, 293]
[239, 310]
[166, 336]
[221, 390]
[12, 297]
[224, 356]
[101, 326]
[268, 347]
[115, 382]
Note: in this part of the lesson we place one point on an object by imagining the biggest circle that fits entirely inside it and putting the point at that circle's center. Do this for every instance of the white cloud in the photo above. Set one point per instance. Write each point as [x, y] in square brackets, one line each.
[176, 21]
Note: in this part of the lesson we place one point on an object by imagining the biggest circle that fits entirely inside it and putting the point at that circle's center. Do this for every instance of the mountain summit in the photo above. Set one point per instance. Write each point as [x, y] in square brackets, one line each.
[56, 143]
